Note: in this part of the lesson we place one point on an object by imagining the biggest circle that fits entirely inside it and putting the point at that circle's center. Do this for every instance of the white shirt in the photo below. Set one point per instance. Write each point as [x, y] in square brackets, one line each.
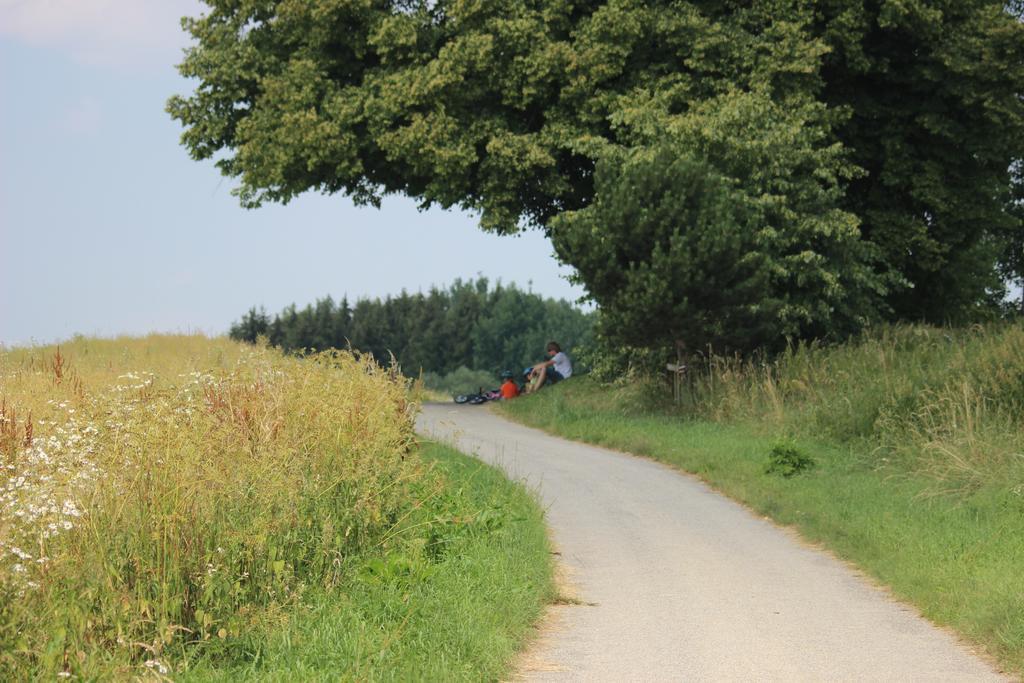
[562, 364]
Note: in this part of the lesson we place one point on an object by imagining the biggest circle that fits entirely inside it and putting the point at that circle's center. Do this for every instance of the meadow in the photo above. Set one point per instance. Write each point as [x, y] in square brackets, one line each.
[901, 451]
[177, 506]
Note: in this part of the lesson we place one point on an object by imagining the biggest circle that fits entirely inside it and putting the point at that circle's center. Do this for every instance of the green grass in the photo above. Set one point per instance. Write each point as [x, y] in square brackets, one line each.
[946, 403]
[455, 608]
[207, 509]
[957, 554]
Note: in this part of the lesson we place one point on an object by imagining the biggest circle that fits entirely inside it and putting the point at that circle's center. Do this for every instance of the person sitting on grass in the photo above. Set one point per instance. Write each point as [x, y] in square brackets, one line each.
[509, 389]
[556, 368]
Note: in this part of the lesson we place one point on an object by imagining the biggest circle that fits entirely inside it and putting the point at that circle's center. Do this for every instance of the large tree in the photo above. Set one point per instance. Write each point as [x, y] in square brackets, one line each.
[905, 116]
[933, 90]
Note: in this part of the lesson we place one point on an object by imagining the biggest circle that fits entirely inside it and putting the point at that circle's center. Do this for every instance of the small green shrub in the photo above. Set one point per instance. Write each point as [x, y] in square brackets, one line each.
[786, 459]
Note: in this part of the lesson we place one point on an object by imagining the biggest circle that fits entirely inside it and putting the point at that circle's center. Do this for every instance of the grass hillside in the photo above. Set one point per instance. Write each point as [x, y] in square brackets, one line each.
[902, 452]
[941, 403]
[188, 507]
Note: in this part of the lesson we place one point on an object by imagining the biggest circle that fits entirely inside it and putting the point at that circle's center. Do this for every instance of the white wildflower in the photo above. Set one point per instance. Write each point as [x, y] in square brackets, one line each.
[158, 665]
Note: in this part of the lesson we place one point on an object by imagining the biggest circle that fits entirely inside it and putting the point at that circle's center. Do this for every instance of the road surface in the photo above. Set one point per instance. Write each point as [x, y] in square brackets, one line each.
[679, 583]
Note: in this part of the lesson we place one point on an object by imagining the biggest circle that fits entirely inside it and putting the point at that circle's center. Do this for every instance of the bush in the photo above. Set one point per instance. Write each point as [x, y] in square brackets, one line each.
[786, 459]
[607, 362]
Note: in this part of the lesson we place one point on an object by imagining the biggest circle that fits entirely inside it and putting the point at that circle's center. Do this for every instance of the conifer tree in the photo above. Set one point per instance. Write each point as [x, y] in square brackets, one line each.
[469, 325]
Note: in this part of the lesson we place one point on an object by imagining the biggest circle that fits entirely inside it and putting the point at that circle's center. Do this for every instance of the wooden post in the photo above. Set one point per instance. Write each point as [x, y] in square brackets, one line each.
[677, 370]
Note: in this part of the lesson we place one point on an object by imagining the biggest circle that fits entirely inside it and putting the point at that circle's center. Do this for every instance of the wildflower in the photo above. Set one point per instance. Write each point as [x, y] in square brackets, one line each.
[158, 665]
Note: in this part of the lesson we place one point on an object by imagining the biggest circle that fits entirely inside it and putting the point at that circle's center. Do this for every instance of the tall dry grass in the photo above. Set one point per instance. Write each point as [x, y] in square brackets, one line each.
[161, 496]
[946, 402]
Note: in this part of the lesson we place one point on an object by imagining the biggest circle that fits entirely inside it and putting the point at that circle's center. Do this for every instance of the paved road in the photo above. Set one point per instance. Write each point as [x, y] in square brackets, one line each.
[686, 585]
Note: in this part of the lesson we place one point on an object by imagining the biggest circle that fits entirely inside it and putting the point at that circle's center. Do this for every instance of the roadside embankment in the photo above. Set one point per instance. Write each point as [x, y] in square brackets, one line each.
[195, 508]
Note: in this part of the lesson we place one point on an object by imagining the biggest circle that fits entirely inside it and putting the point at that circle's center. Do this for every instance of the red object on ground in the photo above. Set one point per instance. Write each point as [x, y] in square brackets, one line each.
[509, 389]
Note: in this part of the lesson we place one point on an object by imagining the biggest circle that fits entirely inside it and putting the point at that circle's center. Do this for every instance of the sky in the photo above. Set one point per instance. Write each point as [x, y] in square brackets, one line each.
[107, 227]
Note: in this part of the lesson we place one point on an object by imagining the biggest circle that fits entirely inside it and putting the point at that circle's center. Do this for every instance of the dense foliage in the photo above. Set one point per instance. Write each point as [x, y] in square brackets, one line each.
[1011, 262]
[872, 138]
[708, 264]
[931, 95]
[469, 325]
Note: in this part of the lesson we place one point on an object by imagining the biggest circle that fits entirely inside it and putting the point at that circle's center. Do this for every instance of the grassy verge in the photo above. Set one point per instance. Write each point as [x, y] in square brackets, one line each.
[958, 556]
[198, 508]
[456, 607]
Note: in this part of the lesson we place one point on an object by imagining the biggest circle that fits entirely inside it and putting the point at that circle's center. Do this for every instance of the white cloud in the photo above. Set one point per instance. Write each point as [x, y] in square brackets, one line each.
[124, 33]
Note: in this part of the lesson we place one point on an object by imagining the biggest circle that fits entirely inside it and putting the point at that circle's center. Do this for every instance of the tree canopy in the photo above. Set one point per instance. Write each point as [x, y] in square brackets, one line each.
[870, 140]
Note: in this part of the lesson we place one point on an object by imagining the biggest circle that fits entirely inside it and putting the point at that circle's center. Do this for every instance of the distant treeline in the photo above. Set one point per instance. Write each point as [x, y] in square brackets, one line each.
[468, 325]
